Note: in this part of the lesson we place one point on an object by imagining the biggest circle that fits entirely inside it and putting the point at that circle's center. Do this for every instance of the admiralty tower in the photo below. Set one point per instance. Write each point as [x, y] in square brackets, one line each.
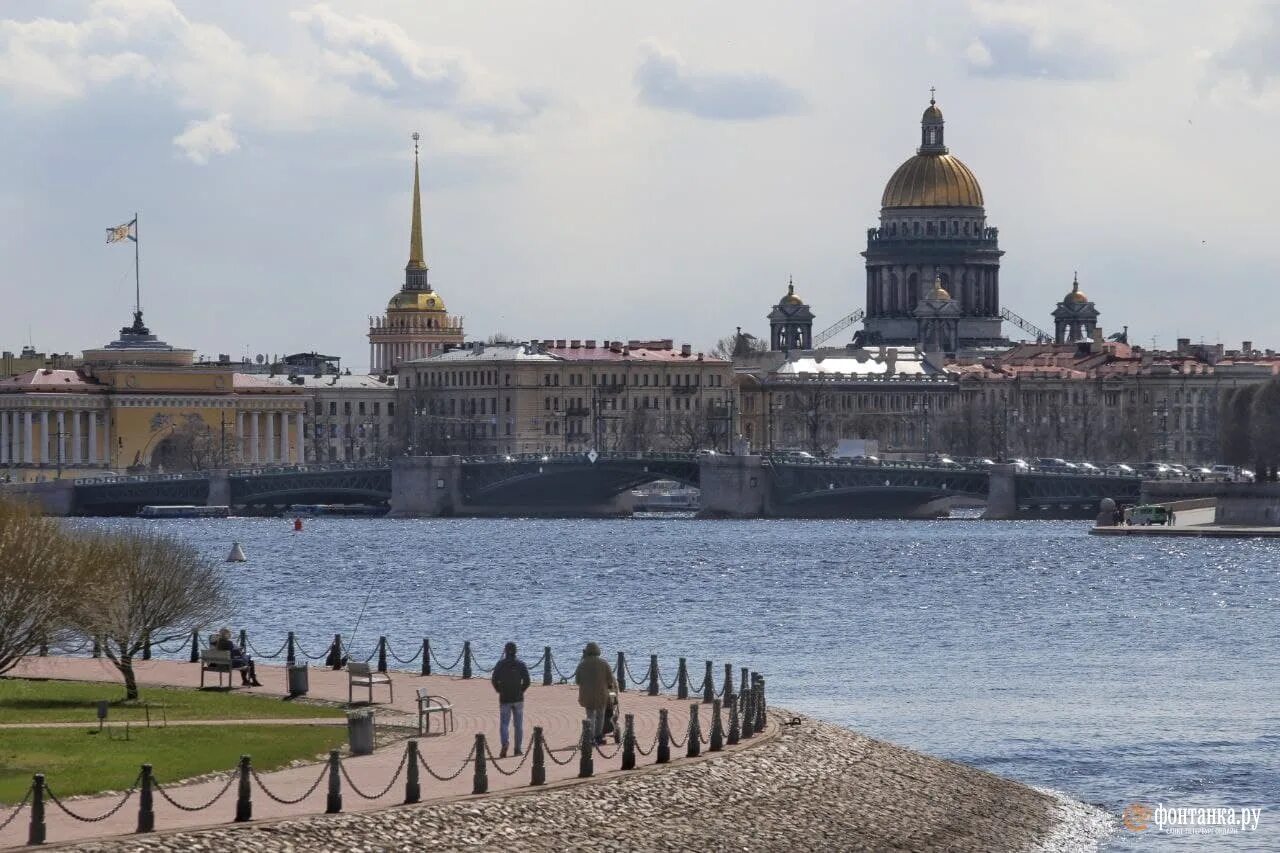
[416, 324]
[933, 228]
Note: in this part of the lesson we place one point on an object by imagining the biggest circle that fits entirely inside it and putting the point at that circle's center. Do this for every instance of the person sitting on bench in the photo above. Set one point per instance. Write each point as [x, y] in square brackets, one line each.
[239, 658]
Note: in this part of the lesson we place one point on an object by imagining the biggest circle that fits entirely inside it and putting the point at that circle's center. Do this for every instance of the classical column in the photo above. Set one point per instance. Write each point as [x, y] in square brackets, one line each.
[4, 437]
[44, 437]
[271, 436]
[108, 454]
[27, 444]
[284, 437]
[93, 438]
[60, 447]
[300, 429]
[75, 437]
[240, 448]
[253, 436]
[373, 362]
[342, 442]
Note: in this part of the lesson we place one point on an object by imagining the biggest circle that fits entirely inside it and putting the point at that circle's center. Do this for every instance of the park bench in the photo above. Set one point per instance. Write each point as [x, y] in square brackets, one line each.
[219, 661]
[428, 705]
[359, 675]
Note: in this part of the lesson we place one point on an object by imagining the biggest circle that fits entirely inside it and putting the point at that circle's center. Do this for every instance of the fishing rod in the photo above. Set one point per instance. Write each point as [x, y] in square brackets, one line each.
[351, 643]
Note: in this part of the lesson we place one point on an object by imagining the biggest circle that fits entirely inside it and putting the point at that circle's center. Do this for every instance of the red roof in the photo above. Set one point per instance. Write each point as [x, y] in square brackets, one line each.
[45, 379]
[634, 355]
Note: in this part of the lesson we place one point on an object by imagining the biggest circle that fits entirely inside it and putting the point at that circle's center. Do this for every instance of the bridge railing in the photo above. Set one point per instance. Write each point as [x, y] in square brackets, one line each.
[582, 456]
[140, 478]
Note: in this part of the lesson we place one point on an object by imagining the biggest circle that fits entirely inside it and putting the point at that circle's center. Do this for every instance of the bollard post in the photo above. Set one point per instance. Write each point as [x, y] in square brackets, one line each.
[586, 748]
[664, 738]
[682, 680]
[734, 730]
[97, 647]
[244, 641]
[35, 829]
[466, 659]
[412, 786]
[291, 655]
[629, 743]
[334, 658]
[728, 679]
[195, 647]
[695, 733]
[480, 784]
[622, 672]
[748, 719]
[539, 775]
[708, 685]
[333, 804]
[244, 801]
[546, 666]
[426, 656]
[717, 732]
[146, 646]
[382, 654]
[653, 675]
[745, 683]
[761, 712]
[44, 649]
[146, 809]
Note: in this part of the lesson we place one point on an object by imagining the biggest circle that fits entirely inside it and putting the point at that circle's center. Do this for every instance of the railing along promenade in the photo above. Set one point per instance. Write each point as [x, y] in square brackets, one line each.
[746, 711]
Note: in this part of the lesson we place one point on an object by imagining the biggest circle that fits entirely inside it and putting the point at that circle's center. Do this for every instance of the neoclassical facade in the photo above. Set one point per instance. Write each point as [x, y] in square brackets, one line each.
[932, 225]
[416, 323]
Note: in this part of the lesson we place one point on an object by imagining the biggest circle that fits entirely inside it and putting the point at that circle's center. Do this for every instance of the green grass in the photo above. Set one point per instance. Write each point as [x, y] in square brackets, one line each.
[34, 701]
[83, 761]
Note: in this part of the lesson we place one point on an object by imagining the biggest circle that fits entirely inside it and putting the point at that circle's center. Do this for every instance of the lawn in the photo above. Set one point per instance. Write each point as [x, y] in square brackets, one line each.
[82, 761]
[34, 701]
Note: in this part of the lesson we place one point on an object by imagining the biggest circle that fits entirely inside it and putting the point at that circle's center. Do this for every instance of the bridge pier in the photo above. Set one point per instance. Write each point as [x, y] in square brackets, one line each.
[219, 488]
[1002, 493]
[734, 487]
[425, 486]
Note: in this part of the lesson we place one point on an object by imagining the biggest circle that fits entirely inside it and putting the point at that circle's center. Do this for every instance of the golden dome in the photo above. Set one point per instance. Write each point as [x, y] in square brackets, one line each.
[939, 293]
[791, 298]
[932, 113]
[1075, 295]
[932, 180]
[416, 300]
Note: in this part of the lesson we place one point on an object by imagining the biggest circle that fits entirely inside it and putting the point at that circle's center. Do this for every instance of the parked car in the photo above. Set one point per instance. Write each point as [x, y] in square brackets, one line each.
[1155, 470]
[1020, 464]
[1200, 473]
[1054, 464]
[944, 462]
[1177, 471]
[866, 460]
[982, 462]
[1088, 468]
[1119, 469]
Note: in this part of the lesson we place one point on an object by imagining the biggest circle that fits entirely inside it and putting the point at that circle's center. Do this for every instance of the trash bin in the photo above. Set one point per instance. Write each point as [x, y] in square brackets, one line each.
[360, 732]
[299, 682]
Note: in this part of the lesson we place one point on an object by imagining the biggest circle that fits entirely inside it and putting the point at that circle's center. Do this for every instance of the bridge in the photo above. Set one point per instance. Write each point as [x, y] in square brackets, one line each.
[584, 484]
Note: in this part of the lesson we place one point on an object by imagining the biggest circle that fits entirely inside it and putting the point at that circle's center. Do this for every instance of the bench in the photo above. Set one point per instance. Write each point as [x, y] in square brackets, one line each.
[360, 675]
[428, 705]
[219, 661]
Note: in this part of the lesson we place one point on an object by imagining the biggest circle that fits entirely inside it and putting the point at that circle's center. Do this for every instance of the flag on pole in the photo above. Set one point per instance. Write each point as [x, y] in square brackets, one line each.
[122, 232]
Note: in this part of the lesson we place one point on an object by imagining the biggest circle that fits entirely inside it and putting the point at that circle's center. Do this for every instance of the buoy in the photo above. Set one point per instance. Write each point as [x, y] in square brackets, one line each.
[237, 554]
[297, 525]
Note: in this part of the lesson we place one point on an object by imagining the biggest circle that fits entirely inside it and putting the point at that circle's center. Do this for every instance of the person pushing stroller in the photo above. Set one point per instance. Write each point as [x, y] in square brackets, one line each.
[595, 681]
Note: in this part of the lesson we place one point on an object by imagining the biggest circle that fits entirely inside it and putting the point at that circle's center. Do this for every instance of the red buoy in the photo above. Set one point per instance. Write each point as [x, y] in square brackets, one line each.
[297, 525]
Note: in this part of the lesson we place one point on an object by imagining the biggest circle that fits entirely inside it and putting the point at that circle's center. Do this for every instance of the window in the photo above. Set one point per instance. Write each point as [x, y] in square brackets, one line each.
[508, 404]
[360, 406]
[391, 410]
[377, 408]
[333, 408]
[346, 408]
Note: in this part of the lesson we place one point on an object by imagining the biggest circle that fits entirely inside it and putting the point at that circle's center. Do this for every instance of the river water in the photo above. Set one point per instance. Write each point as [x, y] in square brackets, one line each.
[1117, 670]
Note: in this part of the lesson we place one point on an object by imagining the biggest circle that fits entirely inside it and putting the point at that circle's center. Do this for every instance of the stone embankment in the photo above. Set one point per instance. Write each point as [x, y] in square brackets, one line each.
[813, 786]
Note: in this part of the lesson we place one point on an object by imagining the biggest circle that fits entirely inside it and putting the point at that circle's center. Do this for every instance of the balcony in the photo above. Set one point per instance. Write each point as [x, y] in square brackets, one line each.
[611, 388]
[685, 389]
[577, 412]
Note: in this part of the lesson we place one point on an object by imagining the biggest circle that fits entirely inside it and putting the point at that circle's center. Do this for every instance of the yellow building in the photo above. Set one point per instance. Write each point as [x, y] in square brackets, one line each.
[139, 404]
[416, 324]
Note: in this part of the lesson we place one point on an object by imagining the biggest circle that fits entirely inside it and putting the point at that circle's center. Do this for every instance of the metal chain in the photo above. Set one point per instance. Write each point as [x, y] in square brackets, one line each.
[5, 823]
[324, 770]
[538, 662]
[551, 753]
[617, 747]
[402, 660]
[177, 805]
[627, 666]
[652, 746]
[471, 755]
[496, 766]
[361, 794]
[308, 655]
[663, 681]
[278, 651]
[563, 678]
[485, 670]
[118, 806]
[182, 646]
[442, 666]
[678, 744]
[348, 652]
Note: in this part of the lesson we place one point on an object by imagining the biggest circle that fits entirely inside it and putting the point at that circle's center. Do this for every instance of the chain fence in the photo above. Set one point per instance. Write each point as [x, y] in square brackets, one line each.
[493, 761]
[48, 792]
[277, 653]
[572, 750]
[285, 801]
[4, 824]
[185, 808]
[455, 774]
[453, 666]
[395, 777]
[401, 660]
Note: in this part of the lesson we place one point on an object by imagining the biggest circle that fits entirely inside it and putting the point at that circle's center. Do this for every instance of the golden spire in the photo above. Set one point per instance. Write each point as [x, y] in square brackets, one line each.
[416, 260]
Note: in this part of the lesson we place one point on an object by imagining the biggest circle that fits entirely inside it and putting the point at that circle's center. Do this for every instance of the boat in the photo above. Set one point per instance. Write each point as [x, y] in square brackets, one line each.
[184, 511]
[672, 500]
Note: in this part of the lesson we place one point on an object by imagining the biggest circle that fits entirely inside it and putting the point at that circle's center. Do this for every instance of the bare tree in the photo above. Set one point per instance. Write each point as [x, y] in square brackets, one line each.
[37, 563]
[738, 344]
[1233, 426]
[136, 588]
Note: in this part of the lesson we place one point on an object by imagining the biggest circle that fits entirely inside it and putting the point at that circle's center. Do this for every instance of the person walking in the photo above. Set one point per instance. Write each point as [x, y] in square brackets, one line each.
[510, 679]
[595, 680]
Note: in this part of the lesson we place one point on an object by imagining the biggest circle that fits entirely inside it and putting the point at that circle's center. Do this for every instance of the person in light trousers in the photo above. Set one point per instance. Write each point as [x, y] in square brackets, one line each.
[510, 679]
[595, 680]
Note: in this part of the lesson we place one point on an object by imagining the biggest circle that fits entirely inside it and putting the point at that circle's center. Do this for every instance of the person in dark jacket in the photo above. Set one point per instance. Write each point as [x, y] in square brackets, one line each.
[510, 679]
[595, 682]
[239, 659]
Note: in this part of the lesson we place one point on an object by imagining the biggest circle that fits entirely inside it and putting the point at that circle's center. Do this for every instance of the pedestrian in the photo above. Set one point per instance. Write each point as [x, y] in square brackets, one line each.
[595, 680]
[240, 659]
[510, 679]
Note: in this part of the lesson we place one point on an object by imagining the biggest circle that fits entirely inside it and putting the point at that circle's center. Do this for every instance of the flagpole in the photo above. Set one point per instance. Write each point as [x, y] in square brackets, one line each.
[137, 277]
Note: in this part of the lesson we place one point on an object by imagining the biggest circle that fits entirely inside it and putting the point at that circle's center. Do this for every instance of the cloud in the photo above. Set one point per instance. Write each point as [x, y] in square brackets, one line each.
[377, 57]
[202, 139]
[1020, 39]
[1254, 54]
[665, 82]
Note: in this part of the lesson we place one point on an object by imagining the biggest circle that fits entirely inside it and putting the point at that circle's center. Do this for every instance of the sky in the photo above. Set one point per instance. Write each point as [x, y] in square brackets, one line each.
[607, 170]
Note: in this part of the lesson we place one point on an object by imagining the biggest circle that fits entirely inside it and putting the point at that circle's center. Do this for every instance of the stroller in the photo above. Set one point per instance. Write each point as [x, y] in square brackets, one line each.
[611, 718]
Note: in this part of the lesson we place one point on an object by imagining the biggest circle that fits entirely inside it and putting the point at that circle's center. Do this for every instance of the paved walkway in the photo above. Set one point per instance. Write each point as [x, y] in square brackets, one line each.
[554, 708]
